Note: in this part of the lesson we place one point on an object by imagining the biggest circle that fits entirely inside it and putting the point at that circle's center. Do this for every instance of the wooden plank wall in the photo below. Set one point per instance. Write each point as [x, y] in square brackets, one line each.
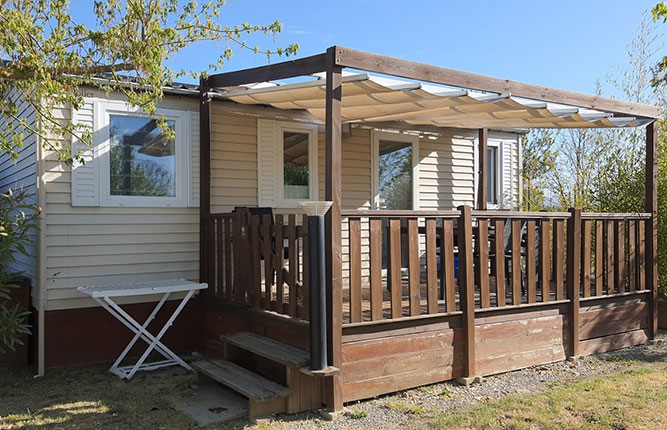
[383, 358]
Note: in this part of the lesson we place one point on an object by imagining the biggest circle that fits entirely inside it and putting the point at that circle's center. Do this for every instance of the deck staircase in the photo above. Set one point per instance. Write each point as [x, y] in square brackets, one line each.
[301, 391]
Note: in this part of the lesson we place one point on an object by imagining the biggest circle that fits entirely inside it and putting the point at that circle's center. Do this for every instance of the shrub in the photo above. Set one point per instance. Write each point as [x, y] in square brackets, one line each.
[17, 226]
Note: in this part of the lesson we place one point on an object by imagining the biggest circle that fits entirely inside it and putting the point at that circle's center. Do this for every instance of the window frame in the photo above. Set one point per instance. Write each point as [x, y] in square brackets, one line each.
[313, 161]
[413, 140]
[103, 111]
[491, 143]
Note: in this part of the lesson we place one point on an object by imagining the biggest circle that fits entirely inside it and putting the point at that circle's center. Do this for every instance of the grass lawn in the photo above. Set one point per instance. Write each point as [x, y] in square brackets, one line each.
[635, 397]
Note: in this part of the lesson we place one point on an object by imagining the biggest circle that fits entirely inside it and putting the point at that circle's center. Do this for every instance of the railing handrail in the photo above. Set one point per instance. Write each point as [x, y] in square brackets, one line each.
[399, 213]
[615, 215]
[485, 214]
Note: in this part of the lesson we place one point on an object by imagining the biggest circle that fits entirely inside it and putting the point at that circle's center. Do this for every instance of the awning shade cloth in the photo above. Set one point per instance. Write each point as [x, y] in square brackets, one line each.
[374, 99]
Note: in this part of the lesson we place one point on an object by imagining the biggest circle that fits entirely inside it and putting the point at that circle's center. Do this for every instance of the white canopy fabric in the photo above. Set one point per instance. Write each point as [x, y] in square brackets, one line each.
[374, 99]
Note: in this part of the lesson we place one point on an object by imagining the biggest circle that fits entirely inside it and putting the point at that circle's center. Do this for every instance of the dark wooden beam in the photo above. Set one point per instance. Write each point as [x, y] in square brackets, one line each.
[574, 278]
[366, 61]
[652, 225]
[204, 180]
[287, 69]
[467, 293]
[482, 173]
[334, 258]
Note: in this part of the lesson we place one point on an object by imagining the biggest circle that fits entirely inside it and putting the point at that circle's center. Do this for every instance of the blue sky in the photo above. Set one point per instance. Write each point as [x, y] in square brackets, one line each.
[566, 44]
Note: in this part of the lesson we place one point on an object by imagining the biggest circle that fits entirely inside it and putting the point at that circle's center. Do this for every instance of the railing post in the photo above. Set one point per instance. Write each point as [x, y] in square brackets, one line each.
[467, 294]
[574, 277]
[652, 225]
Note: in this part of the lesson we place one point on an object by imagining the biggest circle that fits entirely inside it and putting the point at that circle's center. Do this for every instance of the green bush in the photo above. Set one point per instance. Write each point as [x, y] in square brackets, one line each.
[17, 225]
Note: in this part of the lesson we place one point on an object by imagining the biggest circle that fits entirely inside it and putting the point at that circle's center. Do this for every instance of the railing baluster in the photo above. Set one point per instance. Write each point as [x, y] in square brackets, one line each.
[545, 259]
[483, 259]
[499, 251]
[631, 256]
[376, 268]
[431, 267]
[641, 266]
[305, 287]
[530, 261]
[293, 265]
[394, 267]
[279, 264]
[559, 251]
[268, 261]
[610, 257]
[619, 257]
[355, 268]
[586, 257]
[599, 269]
[516, 262]
[447, 263]
[255, 298]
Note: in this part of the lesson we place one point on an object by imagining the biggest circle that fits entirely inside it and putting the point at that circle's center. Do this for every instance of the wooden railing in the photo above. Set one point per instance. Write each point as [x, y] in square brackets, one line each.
[260, 261]
[495, 258]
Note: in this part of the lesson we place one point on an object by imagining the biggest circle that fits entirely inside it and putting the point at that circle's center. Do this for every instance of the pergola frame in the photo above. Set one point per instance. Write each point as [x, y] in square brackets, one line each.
[332, 63]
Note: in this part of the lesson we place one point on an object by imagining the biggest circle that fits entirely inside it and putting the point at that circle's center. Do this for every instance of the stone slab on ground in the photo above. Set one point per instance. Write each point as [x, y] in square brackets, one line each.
[211, 404]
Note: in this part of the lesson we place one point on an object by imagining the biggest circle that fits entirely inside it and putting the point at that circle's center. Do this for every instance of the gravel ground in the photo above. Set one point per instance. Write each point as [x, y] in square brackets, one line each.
[403, 409]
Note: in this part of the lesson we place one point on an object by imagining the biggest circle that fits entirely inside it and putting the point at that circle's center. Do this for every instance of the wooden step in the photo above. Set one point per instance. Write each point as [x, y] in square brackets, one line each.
[253, 386]
[268, 348]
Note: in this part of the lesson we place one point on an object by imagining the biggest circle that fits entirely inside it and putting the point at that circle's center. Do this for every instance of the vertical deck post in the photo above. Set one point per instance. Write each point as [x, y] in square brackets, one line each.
[574, 277]
[204, 179]
[334, 263]
[467, 293]
[652, 225]
[482, 191]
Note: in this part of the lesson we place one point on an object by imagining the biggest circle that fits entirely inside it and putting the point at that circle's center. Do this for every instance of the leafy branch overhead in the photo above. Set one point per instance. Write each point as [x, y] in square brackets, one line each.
[46, 56]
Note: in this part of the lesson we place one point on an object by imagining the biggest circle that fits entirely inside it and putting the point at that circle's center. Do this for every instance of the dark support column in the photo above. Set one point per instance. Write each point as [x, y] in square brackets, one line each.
[204, 179]
[574, 277]
[333, 227]
[482, 191]
[652, 227]
[467, 294]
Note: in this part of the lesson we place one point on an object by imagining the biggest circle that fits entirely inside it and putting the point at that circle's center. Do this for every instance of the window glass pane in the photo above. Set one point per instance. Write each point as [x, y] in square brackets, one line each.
[143, 158]
[395, 175]
[492, 175]
[295, 165]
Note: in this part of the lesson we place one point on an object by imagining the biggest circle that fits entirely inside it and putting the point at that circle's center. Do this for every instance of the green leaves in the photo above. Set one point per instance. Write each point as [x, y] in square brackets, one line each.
[50, 57]
[17, 227]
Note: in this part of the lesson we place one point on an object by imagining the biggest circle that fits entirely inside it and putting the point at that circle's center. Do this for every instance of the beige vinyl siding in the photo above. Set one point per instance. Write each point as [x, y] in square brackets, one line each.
[104, 245]
[21, 174]
[446, 170]
[233, 160]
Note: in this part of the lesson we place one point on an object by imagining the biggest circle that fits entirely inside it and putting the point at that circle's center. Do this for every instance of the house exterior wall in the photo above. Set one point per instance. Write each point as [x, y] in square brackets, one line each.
[102, 245]
[22, 174]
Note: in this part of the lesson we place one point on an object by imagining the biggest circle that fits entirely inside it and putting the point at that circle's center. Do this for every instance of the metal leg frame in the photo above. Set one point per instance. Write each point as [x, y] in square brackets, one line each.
[141, 331]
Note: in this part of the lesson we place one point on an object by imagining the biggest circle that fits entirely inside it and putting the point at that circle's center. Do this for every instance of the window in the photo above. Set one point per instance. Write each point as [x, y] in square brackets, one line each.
[296, 178]
[492, 175]
[141, 163]
[296, 146]
[395, 177]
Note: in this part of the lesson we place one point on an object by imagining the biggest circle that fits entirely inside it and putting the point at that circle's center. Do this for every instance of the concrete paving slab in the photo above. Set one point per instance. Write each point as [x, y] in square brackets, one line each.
[211, 404]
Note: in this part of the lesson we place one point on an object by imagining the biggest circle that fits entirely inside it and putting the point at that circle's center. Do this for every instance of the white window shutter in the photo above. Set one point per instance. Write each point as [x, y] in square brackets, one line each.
[85, 175]
[266, 163]
[193, 192]
[506, 177]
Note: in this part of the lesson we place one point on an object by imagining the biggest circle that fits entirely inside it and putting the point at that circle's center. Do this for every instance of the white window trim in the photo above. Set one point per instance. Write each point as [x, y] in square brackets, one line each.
[376, 136]
[103, 109]
[495, 143]
[313, 177]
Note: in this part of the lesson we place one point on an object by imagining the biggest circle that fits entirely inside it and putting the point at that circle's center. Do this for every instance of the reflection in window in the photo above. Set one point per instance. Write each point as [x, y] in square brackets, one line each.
[295, 165]
[395, 175]
[492, 175]
[143, 157]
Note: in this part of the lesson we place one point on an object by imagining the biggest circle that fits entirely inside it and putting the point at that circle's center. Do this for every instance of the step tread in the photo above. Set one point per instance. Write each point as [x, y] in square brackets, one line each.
[269, 348]
[251, 385]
